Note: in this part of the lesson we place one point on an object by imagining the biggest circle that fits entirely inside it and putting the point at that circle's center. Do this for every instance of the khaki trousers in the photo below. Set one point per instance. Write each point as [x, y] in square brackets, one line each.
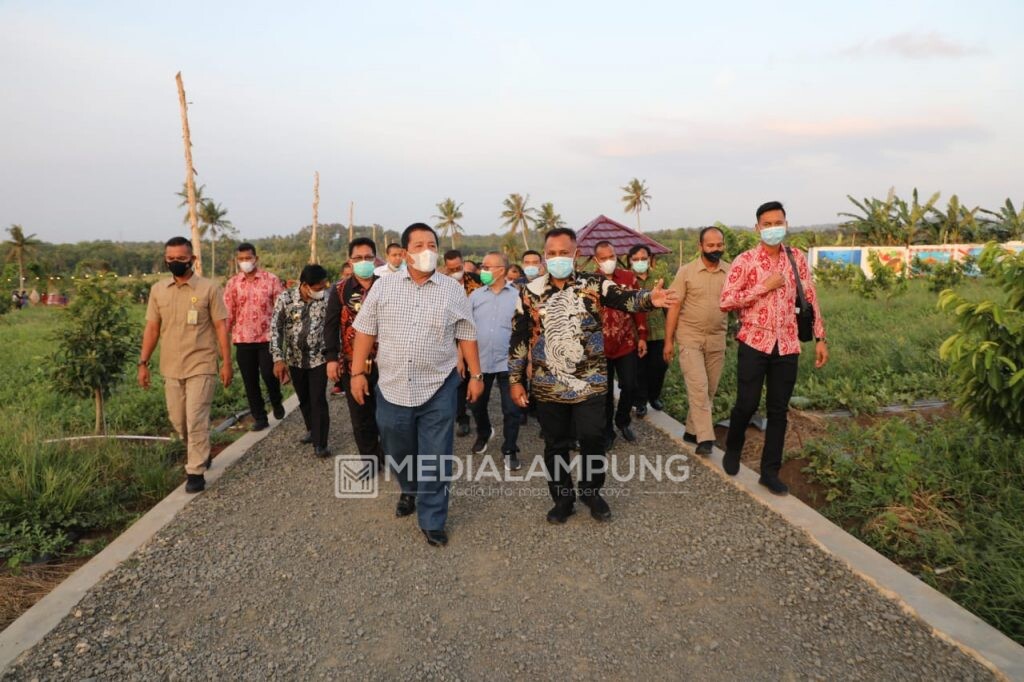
[188, 406]
[701, 359]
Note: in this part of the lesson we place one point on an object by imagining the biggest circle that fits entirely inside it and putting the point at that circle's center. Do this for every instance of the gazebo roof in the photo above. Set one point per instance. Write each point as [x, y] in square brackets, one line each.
[603, 228]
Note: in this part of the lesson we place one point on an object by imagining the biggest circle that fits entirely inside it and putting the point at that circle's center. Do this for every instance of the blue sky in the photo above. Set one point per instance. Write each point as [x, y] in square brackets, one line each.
[399, 105]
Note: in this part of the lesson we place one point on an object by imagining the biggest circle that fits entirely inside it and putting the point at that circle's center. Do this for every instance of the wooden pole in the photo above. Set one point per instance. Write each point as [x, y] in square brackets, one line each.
[316, 205]
[351, 212]
[190, 179]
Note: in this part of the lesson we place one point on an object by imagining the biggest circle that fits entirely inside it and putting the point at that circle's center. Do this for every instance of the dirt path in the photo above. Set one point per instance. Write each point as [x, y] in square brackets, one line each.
[267, 574]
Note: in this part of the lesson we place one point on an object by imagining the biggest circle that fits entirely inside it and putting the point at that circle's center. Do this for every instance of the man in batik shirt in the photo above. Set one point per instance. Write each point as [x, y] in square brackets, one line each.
[558, 328]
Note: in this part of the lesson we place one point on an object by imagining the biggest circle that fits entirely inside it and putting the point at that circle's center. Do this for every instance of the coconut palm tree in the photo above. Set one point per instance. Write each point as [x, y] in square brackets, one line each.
[546, 218]
[213, 224]
[200, 199]
[448, 215]
[20, 246]
[636, 198]
[517, 216]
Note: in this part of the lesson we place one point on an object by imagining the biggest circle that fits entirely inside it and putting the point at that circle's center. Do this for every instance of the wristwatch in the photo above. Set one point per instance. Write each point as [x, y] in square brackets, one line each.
[821, 340]
[477, 377]
[143, 363]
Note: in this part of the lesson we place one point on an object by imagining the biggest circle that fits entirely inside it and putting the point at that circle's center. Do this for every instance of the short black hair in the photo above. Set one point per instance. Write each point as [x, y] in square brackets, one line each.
[770, 206]
[604, 242]
[452, 254]
[362, 241]
[560, 232]
[416, 227]
[705, 230]
[179, 241]
[390, 246]
[531, 252]
[637, 248]
[313, 274]
[245, 246]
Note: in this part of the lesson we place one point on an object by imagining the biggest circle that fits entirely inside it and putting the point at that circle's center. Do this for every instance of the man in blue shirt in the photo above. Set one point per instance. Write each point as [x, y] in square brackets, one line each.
[494, 305]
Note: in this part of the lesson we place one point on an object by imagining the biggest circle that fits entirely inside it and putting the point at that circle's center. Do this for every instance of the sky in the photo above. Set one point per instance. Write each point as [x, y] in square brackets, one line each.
[399, 105]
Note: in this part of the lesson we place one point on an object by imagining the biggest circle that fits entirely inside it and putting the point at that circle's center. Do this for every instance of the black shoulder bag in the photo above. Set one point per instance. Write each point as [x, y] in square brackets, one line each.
[804, 310]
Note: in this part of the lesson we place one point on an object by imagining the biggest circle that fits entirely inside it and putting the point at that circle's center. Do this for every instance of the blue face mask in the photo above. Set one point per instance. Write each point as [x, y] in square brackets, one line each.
[640, 266]
[363, 269]
[773, 236]
[560, 267]
[531, 271]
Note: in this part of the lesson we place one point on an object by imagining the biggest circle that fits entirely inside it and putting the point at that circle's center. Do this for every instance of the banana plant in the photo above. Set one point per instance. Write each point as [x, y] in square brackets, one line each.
[913, 216]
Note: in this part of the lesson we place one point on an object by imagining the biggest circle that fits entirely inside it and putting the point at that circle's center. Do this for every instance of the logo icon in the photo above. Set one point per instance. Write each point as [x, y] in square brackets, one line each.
[355, 476]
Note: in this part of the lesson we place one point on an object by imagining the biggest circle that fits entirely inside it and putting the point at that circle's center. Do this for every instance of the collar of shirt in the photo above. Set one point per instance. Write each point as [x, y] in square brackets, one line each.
[435, 276]
[175, 283]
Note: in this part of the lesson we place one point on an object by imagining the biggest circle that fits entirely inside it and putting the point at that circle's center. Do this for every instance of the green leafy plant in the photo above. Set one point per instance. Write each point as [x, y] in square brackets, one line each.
[987, 353]
[93, 344]
[884, 280]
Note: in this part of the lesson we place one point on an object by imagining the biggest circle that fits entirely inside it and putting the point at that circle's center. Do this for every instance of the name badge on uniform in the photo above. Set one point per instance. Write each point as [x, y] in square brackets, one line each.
[193, 317]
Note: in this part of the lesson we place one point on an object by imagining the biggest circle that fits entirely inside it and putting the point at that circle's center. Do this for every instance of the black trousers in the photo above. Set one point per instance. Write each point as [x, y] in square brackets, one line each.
[254, 361]
[563, 423]
[461, 416]
[311, 387]
[650, 376]
[510, 412]
[624, 370]
[754, 368]
[364, 417]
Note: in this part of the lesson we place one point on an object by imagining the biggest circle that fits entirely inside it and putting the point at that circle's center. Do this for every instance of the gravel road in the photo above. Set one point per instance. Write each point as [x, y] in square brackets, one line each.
[268, 575]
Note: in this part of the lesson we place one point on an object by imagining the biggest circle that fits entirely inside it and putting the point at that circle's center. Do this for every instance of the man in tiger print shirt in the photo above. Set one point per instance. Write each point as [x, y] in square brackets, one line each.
[558, 329]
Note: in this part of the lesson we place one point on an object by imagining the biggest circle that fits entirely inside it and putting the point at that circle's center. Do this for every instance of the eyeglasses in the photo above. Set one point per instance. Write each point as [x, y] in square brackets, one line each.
[359, 259]
[492, 267]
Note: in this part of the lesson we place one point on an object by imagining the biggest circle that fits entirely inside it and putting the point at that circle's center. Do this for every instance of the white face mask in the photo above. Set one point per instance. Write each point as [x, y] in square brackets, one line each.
[247, 266]
[458, 275]
[425, 260]
[317, 295]
[607, 266]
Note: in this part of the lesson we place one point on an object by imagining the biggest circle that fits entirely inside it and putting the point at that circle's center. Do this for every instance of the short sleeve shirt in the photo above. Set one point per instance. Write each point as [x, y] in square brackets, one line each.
[699, 290]
[188, 341]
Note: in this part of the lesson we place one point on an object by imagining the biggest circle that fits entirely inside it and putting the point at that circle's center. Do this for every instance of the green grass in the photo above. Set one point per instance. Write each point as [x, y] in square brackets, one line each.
[53, 498]
[881, 352]
[944, 498]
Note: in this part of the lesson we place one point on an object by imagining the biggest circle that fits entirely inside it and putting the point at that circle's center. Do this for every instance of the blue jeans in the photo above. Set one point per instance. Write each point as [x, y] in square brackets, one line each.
[510, 412]
[421, 439]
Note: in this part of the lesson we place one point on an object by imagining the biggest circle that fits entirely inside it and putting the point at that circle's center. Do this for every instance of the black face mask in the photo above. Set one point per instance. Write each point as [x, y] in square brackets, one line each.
[714, 256]
[177, 268]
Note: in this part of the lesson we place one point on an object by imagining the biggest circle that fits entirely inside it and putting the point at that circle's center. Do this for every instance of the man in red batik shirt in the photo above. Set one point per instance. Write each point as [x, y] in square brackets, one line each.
[249, 297]
[762, 287]
[625, 339]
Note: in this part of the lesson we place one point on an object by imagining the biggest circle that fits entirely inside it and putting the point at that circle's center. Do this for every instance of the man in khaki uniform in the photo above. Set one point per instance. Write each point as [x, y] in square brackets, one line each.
[186, 314]
[698, 326]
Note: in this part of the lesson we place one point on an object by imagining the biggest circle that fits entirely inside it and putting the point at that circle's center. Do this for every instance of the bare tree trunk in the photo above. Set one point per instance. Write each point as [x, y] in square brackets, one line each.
[213, 258]
[190, 180]
[316, 206]
[526, 244]
[98, 400]
[638, 229]
[351, 228]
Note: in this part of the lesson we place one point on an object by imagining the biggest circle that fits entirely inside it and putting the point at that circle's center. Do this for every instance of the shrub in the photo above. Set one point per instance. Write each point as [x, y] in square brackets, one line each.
[986, 355]
[831, 273]
[884, 280]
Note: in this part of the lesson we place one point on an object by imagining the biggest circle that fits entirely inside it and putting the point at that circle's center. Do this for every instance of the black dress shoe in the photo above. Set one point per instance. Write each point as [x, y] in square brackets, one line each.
[260, 425]
[463, 429]
[599, 509]
[279, 411]
[689, 438]
[731, 463]
[641, 411]
[307, 439]
[705, 447]
[774, 484]
[436, 538]
[628, 434]
[657, 404]
[322, 453]
[561, 512]
[195, 483]
[406, 505]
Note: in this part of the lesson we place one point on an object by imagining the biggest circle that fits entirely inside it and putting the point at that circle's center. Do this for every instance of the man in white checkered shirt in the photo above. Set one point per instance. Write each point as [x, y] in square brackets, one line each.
[416, 317]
